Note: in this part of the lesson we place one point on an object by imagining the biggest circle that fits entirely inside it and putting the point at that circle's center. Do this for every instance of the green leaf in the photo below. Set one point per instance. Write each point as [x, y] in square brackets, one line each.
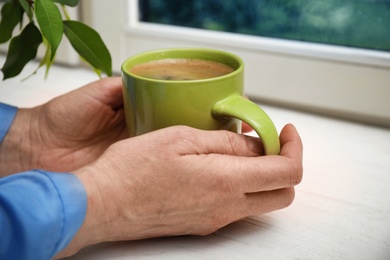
[11, 15]
[71, 3]
[50, 22]
[22, 49]
[88, 44]
[26, 7]
[45, 61]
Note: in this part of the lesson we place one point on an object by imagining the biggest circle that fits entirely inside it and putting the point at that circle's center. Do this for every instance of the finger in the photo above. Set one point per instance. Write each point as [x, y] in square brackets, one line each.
[255, 174]
[191, 141]
[258, 203]
[291, 143]
[246, 128]
[267, 201]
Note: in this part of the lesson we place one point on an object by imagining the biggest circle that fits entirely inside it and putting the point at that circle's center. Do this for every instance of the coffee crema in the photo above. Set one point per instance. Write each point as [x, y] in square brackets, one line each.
[181, 69]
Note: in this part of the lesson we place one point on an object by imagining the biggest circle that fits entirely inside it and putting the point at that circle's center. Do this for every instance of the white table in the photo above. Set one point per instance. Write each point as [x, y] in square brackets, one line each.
[341, 209]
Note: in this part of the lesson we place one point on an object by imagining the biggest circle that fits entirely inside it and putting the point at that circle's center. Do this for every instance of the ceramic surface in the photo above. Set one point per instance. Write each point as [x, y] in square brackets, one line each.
[209, 104]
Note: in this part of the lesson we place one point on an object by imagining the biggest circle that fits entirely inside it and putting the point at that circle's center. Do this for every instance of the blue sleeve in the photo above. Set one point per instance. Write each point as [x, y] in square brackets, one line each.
[7, 114]
[40, 212]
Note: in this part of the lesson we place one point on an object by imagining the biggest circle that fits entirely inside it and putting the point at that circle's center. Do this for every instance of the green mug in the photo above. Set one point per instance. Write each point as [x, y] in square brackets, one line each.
[211, 104]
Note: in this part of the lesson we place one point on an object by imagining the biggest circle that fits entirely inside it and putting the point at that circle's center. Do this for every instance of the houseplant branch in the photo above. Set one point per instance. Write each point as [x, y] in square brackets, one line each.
[47, 26]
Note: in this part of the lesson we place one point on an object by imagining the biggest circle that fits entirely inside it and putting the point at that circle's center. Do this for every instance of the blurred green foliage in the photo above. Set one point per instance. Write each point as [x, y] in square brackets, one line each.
[354, 23]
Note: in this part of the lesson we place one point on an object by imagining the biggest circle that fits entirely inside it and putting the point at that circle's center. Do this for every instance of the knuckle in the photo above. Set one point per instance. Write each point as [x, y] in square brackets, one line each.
[231, 141]
[180, 131]
[179, 134]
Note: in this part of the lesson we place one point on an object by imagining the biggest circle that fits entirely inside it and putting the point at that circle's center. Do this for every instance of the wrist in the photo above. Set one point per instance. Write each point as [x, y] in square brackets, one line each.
[96, 226]
[17, 150]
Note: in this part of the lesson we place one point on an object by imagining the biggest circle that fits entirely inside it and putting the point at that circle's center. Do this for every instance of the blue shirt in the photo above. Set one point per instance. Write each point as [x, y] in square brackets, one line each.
[40, 211]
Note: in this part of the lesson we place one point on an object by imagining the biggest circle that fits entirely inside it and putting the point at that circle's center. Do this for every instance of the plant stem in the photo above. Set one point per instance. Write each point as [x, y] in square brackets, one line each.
[67, 17]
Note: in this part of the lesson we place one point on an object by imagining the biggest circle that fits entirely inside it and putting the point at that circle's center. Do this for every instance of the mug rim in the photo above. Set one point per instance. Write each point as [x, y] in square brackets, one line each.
[164, 54]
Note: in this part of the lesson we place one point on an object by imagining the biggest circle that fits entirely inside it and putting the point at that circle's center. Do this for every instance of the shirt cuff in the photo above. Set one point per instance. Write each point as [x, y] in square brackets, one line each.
[73, 198]
[7, 115]
[40, 213]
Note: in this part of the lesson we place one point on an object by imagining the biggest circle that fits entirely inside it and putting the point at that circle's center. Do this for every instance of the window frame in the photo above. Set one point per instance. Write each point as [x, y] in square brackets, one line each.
[258, 43]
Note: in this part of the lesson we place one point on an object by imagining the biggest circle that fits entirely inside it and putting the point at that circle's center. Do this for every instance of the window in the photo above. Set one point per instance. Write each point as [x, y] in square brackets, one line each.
[330, 79]
[353, 23]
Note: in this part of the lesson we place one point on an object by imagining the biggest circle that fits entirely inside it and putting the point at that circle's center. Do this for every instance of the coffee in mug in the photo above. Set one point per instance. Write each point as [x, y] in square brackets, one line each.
[181, 69]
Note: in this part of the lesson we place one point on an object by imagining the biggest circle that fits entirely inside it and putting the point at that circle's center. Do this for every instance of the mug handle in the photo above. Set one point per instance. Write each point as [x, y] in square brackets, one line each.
[241, 108]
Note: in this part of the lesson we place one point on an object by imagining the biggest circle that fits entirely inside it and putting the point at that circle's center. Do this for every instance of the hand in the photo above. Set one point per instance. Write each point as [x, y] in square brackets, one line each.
[68, 132]
[180, 181]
